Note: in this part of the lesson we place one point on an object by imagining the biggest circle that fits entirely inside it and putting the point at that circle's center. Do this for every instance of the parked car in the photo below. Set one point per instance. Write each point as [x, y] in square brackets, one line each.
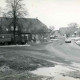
[67, 40]
[78, 42]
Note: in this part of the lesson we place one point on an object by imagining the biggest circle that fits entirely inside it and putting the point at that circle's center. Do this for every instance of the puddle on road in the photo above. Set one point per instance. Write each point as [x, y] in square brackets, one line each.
[58, 72]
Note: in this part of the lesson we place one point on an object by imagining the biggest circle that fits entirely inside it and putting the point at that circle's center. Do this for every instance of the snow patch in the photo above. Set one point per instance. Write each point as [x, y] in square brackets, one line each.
[57, 73]
[76, 65]
[51, 71]
[15, 45]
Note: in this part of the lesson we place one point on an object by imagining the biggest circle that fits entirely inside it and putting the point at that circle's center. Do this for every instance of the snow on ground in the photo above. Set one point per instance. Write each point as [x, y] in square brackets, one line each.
[51, 71]
[58, 72]
[14, 45]
[76, 65]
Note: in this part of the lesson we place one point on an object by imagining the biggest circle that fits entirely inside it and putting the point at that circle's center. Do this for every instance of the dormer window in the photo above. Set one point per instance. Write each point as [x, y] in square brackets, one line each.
[12, 28]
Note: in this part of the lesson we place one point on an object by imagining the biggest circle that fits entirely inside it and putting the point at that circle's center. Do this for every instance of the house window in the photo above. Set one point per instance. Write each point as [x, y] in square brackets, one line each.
[12, 28]
[6, 29]
[22, 35]
[16, 28]
[2, 36]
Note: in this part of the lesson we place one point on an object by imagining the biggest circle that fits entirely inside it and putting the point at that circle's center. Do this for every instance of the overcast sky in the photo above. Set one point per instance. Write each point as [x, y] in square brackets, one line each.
[57, 13]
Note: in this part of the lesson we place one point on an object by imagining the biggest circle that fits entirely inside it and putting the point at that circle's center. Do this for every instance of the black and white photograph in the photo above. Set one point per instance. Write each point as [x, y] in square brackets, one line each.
[39, 39]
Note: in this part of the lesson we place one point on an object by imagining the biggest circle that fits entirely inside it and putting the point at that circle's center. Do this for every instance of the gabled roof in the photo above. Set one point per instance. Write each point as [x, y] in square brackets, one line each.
[31, 25]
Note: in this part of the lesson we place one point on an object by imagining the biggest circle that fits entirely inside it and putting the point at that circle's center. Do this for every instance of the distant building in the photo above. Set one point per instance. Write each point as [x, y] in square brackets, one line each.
[55, 34]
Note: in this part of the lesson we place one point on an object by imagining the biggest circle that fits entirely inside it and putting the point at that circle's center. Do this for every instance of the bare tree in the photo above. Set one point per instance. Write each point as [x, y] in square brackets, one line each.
[72, 28]
[15, 11]
[1, 24]
[73, 25]
[51, 30]
[69, 31]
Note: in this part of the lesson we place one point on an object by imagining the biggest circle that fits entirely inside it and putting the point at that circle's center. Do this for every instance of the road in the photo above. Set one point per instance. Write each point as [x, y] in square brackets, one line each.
[55, 51]
[67, 51]
[15, 60]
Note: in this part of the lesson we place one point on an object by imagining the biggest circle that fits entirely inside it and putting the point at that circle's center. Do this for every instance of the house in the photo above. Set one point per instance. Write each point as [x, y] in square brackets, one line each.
[55, 34]
[32, 28]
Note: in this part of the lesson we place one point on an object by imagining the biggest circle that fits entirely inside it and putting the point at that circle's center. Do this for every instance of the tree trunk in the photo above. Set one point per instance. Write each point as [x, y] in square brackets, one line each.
[14, 24]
